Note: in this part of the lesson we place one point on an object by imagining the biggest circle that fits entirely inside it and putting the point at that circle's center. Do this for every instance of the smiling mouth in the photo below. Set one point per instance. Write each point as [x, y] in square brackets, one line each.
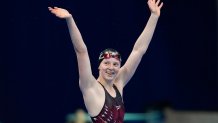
[110, 73]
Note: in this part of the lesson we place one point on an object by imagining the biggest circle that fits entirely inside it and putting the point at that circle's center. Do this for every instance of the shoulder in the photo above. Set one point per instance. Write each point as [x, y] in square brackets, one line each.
[119, 86]
[94, 89]
[94, 98]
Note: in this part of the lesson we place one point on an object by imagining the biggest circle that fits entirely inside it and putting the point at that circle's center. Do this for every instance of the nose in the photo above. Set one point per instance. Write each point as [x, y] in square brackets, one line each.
[110, 66]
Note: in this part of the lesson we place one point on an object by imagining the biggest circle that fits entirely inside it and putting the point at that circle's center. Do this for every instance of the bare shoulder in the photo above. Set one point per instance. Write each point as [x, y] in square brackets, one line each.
[93, 88]
[120, 79]
[87, 83]
[119, 84]
[94, 98]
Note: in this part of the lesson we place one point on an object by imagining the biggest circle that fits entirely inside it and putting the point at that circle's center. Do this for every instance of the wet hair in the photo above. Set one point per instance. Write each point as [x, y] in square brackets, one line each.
[109, 53]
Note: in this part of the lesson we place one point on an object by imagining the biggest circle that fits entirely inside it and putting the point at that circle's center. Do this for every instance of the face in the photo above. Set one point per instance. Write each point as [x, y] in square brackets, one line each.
[109, 68]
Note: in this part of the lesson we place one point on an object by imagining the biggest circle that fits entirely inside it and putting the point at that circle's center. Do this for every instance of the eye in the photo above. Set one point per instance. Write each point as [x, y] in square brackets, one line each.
[116, 64]
[106, 63]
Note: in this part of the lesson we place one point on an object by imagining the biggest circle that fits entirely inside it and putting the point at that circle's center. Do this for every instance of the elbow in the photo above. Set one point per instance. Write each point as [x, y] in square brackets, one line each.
[81, 49]
[140, 50]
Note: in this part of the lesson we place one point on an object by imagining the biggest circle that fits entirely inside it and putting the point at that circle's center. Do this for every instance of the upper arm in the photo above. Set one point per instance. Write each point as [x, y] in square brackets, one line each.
[86, 77]
[130, 66]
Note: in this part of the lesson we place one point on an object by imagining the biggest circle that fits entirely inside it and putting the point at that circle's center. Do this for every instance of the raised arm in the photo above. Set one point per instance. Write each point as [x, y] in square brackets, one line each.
[85, 72]
[141, 44]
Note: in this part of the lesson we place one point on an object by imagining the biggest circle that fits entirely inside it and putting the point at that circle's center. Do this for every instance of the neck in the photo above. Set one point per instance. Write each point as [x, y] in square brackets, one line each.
[105, 83]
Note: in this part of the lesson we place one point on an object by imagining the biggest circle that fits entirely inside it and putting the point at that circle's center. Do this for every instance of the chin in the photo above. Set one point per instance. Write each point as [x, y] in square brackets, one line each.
[109, 78]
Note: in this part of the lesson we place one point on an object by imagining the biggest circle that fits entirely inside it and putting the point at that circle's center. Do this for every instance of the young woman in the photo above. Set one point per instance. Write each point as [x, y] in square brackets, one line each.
[103, 95]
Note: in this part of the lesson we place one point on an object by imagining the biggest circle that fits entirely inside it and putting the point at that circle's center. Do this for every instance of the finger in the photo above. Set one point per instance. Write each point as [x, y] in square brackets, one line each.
[158, 1]
[150, 1]
[50, 8]
[161, 5]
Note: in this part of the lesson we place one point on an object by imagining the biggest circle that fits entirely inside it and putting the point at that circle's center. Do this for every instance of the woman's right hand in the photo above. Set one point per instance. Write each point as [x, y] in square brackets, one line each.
[59, 12]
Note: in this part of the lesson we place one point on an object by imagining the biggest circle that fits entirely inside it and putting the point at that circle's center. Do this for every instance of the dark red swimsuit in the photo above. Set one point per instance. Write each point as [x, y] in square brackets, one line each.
[113, 109]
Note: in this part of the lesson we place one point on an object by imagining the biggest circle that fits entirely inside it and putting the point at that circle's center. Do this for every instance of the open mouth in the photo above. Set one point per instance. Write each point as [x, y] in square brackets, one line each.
[110, 73]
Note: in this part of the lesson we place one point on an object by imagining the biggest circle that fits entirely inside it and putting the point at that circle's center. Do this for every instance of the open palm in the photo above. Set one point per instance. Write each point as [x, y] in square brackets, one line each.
[59, 12]
[154, 6]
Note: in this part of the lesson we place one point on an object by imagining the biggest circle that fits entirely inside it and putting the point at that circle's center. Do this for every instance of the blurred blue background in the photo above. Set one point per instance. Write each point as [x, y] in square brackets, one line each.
[38, 67]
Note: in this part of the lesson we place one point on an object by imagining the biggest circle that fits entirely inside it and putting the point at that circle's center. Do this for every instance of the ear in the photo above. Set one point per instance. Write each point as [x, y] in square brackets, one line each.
[99, 66]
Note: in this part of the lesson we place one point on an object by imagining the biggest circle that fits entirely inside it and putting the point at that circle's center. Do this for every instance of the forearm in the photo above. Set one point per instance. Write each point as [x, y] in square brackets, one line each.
[144, 39]
[75, 35]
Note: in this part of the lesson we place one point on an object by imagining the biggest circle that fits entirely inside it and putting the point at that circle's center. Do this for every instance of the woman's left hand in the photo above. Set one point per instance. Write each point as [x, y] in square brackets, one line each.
[155, 6]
